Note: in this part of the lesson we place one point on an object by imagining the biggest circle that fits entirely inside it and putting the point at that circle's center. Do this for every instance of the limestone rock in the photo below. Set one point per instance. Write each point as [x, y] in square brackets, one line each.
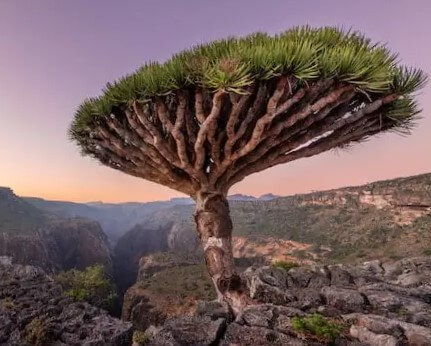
[138, 309]
[344, 299]
[193, 331]
[33, 309]
[372, 339]
[256, 336]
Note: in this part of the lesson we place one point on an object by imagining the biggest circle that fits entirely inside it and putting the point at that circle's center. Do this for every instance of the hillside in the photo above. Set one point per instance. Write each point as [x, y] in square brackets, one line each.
[387, 219]
[117, 219]
[16, 214]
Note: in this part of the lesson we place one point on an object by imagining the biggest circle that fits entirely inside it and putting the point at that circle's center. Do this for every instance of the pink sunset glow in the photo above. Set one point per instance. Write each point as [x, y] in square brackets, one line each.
[53, 54]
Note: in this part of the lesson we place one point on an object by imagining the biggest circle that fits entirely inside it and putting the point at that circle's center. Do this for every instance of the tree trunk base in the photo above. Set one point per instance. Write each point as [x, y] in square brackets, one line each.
[215, 231]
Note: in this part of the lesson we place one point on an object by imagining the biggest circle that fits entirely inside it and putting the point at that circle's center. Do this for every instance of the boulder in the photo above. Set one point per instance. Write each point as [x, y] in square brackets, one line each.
[258, 316]
[268, 284]
[139, 309]
[213, 309]
[372, 339]
[413, 334]
[256, 336]
[193, 331]
[344, 299]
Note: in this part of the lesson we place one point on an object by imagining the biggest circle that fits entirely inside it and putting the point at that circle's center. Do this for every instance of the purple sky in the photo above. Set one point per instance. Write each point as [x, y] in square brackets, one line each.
[54, 53]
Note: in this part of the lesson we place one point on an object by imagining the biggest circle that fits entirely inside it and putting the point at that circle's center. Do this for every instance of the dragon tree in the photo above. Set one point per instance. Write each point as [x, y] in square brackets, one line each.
[214, 114]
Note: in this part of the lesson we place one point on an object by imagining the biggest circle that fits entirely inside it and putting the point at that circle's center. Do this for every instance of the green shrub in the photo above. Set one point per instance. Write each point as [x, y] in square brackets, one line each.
[318, 326]
[140, 337]
[8, 304]
[91, 285]
[402, 312]
[37, 332]
[285, 265]
[427, 252]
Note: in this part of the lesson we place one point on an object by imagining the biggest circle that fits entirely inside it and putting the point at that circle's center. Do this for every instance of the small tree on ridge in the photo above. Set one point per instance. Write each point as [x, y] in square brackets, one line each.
[212, 115]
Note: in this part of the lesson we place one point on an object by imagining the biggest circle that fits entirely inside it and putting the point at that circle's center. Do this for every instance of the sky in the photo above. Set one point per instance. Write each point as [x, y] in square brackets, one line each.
[54, 53]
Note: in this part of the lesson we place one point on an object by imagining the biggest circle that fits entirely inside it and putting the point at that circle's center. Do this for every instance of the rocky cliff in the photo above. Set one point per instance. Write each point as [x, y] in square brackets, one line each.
[387, 219]
[34, 311]
[146, 239]
[31, 236]
[371, 304]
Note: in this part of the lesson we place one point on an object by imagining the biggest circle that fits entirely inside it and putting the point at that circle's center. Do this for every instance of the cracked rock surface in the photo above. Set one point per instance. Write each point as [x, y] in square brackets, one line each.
[34, 311]
[379, 304]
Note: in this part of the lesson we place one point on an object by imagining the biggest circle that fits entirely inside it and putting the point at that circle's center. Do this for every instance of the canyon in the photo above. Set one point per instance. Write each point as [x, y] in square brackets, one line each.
[152, 252]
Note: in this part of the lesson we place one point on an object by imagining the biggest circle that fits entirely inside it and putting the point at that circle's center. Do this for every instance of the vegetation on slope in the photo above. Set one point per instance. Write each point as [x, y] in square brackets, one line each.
[355, 230]
[177, 289]
[16, 215]
[91, 285]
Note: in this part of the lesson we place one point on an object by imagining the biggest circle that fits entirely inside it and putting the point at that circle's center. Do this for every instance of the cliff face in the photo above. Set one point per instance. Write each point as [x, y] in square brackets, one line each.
[77, 243]
[138, 242]
[31, 236]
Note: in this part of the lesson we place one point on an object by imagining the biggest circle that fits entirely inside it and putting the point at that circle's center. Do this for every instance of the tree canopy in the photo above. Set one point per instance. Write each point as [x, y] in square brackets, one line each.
[311, 77]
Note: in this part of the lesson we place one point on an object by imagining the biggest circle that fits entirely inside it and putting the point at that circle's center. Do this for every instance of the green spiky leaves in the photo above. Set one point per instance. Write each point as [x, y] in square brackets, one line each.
[232, 64]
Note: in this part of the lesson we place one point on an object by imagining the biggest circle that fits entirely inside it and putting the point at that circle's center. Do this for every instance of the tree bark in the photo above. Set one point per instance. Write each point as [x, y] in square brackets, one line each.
[214, 227]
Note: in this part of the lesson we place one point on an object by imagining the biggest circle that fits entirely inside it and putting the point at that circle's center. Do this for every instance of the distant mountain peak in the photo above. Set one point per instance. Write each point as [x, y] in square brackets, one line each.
[241, 197]
[268, 197]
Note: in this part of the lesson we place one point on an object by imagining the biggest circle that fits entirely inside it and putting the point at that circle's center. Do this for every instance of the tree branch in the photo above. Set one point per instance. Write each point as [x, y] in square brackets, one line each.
[208, 125]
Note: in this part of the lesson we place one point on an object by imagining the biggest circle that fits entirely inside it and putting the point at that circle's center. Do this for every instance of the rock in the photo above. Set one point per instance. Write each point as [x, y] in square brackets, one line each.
[138, 309]
[193, 331]
[5, 260]
[346, 300]
[372, 339]
[384, 300]
[183, 238]
[410, 280]
[382, 310]
[340, 276]
[307, 277]
[30, 236]
[392, 269]
[257, 315]
[34, 309]
[139, 241]
[373, 267]
[268, 284]
[415, 335]
[213, 309]
[256, 336]
[307, 298]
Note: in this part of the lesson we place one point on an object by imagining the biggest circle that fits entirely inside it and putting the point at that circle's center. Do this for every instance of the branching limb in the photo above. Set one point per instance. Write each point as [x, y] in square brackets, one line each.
[207, 127]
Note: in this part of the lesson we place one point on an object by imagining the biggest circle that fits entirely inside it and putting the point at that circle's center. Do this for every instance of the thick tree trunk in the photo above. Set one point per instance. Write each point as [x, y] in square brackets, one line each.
[215, 231]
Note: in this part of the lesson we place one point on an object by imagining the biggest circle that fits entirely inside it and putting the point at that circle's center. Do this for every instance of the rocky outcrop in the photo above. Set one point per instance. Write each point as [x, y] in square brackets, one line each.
[59, 244]
[144, 307]
[34, 311]
[138, 242]
[374, 304]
